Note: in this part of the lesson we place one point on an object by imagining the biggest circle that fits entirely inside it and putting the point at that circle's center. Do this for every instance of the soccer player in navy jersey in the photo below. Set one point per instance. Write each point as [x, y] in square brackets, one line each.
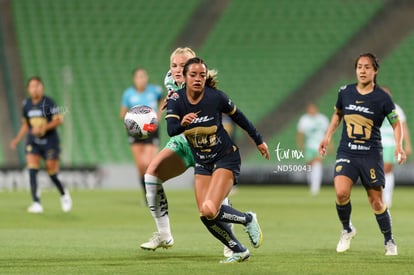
[196, 111]
[41, 117]
[174, 159]
[363, 107]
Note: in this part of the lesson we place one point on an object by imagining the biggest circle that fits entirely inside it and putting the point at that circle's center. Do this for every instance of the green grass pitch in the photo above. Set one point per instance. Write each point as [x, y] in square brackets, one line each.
[103, 232]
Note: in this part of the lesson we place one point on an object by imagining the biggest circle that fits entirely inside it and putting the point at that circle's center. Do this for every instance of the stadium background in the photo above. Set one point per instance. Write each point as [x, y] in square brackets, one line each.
[272, 56]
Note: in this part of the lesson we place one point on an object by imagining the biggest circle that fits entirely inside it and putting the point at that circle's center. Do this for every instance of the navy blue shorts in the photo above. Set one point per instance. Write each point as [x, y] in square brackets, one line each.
[152, 139]
[370, 169]
[47, 151]
[230, 161]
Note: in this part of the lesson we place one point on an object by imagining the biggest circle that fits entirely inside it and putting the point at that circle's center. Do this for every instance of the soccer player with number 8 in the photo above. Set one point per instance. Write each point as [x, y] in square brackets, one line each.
[363, 107]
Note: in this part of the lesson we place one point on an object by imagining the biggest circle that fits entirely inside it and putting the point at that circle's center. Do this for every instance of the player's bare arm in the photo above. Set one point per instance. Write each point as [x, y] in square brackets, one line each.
[24, 128]
[335, 122]
[55, 122]
[122, 112]
[406, 139]
[398, 135]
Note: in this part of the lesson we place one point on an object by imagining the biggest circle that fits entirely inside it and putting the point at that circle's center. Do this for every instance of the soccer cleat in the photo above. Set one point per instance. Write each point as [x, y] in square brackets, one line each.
[345, 240]
[156, 242]
[227, 252]
[35, 208]
[391, 248]
[237, 257]
[254, 231]
[66, 202]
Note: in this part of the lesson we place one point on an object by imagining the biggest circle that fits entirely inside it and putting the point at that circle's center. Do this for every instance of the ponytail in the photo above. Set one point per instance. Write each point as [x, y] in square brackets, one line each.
[211, 80]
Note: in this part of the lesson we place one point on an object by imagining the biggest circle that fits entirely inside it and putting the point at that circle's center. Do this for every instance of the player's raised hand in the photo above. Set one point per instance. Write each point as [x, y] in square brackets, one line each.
[188, 118]
[264, 150]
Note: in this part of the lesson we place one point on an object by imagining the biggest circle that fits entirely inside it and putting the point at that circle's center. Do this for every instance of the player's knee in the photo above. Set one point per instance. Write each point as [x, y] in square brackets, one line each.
[342, 197]
[208, 209]
[52, 171]
[33, 166]
[377, 205]
[152, 169]
[52, 167]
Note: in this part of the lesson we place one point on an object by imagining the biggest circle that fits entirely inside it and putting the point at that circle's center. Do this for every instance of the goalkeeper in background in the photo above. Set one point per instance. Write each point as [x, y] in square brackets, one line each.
[142, 93]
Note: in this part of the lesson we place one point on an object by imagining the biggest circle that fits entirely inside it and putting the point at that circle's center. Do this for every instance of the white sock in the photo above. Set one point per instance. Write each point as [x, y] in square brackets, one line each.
[315, 178]
[388, 189]
[158, 205]
[226, 201]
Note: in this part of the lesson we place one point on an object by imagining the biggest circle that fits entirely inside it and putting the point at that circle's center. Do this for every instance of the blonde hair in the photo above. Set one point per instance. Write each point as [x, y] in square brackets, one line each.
[184, 51]
[212, 78]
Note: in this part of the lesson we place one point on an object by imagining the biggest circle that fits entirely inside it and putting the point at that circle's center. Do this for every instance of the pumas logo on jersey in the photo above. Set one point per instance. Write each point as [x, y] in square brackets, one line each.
[359, 101]
[360, 109]
[202, 119]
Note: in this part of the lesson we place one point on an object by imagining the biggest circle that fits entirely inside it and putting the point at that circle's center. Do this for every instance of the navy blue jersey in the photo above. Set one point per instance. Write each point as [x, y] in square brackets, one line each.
[40, 114]
[206, 135]
[363, 116]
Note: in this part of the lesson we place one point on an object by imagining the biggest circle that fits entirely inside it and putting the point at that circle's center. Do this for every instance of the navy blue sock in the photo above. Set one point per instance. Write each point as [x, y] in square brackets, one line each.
[58, 184]
[33, 184]
[384, 222]
[228, 214]
[222, 232]
[344, 214]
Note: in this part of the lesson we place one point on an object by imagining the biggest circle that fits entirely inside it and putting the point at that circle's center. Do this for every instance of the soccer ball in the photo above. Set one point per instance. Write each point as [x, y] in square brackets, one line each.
[141, 121]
